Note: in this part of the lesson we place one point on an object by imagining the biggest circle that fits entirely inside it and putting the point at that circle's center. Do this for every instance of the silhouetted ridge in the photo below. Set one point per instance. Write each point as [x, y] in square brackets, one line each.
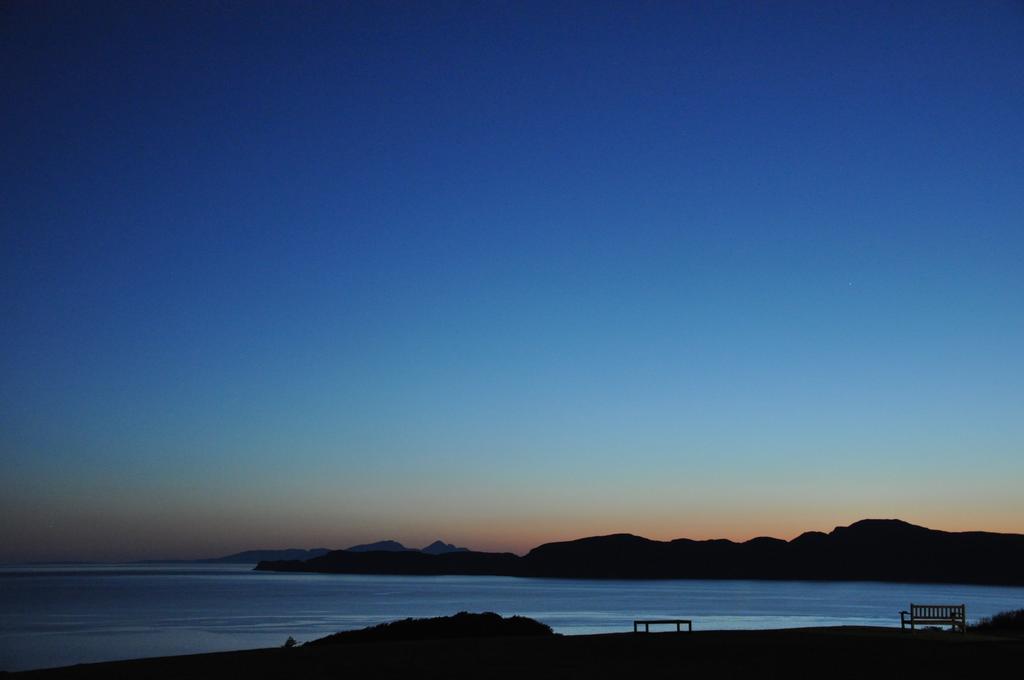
[810, 538]
[379, 546]
[878, 528]
[873, 549]
[766, 542]
[436, 548]
[440, 547]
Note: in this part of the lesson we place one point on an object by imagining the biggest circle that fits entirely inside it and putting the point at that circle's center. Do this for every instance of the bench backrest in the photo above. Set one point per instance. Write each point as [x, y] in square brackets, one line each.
[937, 611]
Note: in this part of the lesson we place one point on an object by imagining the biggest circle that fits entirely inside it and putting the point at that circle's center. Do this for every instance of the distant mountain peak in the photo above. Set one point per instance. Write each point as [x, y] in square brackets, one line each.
[879, 526]
[808, 537]
[379, 546]
[439, 547]
[876, 522]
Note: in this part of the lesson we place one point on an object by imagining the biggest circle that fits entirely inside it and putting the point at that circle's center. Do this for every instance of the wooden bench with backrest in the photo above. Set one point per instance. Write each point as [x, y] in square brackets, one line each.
[954, 615]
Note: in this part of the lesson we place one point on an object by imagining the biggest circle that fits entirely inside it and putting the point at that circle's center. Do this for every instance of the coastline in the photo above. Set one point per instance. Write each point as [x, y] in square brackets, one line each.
[839, 652]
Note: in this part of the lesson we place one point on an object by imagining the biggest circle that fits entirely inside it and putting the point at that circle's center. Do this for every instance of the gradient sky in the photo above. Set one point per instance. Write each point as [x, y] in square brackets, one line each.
[503, 273]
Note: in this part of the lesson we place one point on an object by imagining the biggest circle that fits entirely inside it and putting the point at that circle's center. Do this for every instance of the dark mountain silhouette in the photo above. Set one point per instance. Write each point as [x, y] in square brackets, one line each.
[440, 548]
[873, 550]
[379, 546]
[435, 548]
[261, 555]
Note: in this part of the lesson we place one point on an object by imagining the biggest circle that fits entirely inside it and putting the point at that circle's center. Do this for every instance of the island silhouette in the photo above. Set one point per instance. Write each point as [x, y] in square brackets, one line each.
[868, 550]
[438, 547]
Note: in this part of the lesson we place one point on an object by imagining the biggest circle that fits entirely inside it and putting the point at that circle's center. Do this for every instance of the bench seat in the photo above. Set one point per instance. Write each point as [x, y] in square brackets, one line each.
[954, 615]
[646, 623]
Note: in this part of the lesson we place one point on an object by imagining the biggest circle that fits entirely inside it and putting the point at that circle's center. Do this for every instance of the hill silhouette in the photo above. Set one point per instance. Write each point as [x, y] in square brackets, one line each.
[439, 547]
[462, 626]
[871, 549]
[379, 546]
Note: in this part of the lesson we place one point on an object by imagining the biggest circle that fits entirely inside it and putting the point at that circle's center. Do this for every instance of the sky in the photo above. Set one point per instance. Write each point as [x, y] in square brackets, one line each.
[314, 274]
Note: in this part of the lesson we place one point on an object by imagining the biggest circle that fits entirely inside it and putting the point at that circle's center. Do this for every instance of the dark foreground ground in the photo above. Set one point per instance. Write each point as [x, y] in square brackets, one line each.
[844, 652]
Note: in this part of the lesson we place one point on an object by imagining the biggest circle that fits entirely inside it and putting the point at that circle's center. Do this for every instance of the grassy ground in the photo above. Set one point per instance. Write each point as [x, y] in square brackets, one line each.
[844, 652]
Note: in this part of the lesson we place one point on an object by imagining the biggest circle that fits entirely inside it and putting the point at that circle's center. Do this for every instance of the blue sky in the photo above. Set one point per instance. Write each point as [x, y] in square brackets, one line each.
[502, 273]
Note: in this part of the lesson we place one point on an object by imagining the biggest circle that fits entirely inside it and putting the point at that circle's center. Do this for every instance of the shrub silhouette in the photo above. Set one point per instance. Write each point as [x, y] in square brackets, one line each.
[1009, 621]
[461, 625]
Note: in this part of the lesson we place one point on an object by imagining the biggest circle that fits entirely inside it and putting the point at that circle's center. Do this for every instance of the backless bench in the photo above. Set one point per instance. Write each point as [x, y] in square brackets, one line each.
[646, 623]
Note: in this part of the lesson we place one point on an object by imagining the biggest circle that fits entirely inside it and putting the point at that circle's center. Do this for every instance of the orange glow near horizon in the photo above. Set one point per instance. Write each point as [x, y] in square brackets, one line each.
[153, 537]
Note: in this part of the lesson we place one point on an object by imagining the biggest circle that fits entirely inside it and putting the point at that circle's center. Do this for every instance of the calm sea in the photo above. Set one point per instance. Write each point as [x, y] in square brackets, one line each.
[58, 615]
